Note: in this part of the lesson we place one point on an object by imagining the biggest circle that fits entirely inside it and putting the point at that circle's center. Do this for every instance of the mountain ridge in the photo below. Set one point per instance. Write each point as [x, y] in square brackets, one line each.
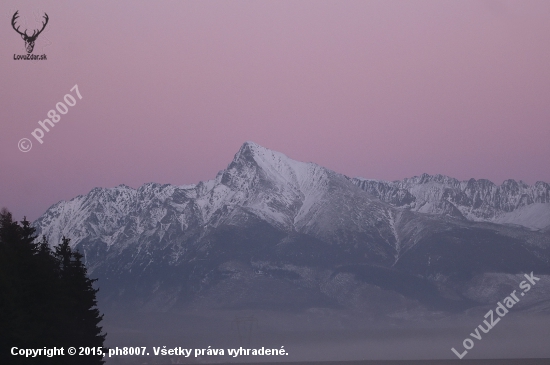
[476, 200]
[304, 228]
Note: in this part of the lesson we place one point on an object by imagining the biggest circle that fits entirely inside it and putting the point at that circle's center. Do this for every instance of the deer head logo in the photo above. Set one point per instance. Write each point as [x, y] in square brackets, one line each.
[29, 40]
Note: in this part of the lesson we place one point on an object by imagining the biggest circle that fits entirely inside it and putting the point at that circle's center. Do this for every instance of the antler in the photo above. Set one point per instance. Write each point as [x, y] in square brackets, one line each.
[34, 33]
[15, 16]
[43, 26]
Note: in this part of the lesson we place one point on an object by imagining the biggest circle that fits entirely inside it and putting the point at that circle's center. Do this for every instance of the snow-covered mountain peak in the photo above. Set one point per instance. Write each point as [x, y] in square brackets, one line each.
[513, 202]
[161, 243]
[285, 193]
[260, 164]
[300, 197]
[268, 160]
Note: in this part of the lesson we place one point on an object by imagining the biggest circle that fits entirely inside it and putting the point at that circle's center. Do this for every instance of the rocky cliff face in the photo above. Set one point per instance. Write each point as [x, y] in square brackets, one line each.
[476, 200]
[290, 196]
[271, 232]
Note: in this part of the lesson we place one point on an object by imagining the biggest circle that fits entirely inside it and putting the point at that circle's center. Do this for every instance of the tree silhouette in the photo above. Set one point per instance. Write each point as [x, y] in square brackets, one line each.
[81, 316]
[46, 298]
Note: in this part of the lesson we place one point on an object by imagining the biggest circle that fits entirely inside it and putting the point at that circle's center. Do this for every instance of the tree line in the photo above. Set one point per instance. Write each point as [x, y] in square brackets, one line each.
[47, 299]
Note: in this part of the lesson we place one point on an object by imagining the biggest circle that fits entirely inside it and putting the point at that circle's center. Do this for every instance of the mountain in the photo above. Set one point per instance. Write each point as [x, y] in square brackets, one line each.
[475, 200]
[273, 233]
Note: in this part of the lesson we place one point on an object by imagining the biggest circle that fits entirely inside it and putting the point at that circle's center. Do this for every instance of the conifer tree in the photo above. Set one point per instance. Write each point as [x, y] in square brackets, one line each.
[82, 317]
[46, 298]
[22, 324]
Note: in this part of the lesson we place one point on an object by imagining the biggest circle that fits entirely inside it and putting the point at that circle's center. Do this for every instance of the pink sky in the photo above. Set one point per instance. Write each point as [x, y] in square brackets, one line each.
[171, 89]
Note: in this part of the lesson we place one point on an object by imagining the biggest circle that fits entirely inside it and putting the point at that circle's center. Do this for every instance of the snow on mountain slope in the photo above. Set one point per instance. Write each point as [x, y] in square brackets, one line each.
[294, 197]
[290, 195]
[476, 200]
[536, 216]
[291, 226]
